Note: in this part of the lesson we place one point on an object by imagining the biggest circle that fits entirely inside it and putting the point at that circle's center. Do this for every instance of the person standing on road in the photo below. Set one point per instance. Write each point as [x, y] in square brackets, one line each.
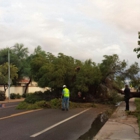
[65, 98]
[127, 97]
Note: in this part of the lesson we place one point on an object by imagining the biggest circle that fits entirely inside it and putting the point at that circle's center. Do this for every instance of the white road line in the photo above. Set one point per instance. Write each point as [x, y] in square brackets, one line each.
[39, 133]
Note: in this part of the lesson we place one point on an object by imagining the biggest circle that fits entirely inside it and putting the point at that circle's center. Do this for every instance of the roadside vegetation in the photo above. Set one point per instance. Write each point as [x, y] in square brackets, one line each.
[96, 82]
[137, 111]
[54, 103]
[44, 100]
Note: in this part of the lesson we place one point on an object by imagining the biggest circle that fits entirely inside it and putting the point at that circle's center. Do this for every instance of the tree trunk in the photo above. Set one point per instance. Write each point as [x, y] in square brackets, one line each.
[5, 88]
[27, 85]
[134, 94]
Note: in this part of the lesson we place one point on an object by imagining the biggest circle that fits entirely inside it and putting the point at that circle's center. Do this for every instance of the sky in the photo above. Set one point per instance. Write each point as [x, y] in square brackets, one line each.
[83, 29]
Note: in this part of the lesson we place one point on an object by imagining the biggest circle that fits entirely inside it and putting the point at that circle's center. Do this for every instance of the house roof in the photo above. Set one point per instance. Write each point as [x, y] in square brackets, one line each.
[24, 81]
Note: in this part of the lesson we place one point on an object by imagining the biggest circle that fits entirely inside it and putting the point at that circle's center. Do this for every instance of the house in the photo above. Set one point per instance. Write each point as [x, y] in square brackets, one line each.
[20, 88]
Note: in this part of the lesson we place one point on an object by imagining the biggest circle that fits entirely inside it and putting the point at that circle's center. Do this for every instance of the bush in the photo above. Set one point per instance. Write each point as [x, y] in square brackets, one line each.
[2, 96]
[136, 112]
[12, 96]
[37, 105]
[114, 97]
[49, 95]
[38, 96]
[55, 103]
[18, 96]
[24, 95]
[15, 96]
[41, 104]
[32, 106]
[22, 105]
[32, 98]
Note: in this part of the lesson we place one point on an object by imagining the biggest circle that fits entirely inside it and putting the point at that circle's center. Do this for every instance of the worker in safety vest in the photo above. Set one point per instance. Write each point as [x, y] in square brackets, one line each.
[65, 98]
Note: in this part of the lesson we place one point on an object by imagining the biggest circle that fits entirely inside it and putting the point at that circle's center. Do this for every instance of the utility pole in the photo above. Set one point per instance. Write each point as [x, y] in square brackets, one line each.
[9, 74]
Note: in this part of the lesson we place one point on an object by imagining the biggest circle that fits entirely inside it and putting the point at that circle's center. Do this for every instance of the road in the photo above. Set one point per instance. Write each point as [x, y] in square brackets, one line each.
[45, 124]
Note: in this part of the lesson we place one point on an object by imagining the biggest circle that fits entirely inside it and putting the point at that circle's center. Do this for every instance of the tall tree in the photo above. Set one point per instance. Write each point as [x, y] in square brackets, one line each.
[137, 50]
[3, 56]
[38, 50]
[20, 51]
[18, 57]
[27, 63]
[4, 74]
[110, 68]
[18, 54]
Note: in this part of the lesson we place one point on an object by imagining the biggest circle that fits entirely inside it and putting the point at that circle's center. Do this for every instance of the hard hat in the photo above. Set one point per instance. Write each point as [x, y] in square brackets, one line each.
[64, 86]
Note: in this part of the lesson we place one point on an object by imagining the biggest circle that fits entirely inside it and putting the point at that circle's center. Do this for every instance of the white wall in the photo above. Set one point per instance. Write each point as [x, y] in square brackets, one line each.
[33, 89]
[20, 89]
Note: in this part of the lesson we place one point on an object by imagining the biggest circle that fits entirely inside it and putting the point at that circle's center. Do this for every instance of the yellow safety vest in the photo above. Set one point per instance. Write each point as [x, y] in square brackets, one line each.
[66, 92]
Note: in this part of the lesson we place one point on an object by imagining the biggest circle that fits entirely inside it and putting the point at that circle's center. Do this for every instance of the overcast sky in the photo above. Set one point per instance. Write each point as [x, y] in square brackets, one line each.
[83, 29]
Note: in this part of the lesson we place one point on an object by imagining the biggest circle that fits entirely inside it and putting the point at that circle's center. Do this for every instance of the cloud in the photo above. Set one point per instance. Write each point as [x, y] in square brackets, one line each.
[125, 15]
[83, 29]
[114, 49]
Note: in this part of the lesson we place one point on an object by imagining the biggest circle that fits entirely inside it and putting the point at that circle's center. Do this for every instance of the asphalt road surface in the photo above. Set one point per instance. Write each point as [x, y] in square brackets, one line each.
[45, 124]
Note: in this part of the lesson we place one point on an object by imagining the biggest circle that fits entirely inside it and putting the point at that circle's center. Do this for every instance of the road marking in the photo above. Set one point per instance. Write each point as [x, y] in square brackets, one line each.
[18, 114]
[39, 133]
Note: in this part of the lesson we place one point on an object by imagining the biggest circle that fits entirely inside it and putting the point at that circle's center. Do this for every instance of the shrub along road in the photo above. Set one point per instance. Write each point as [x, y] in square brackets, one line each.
[47, 124]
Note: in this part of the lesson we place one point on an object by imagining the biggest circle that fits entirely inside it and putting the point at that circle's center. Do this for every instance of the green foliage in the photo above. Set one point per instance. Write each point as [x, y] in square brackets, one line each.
[32, 106]
[114, 97]
[22, 105]
[15, 96]
[12, 96]
[2, 96]
[32, 98]
[4, 73]
[24, 95]
[88, 76]
[55, 103]
[137, 102]
[137, 111]
[38, 96]
[54, 71]
[38, 50]
[137, 50]
[37, 105]
[3, 56]
[18, 96]
[18, 59]
[119, 82]
[111, 66]
[41, 103]
[85, 77]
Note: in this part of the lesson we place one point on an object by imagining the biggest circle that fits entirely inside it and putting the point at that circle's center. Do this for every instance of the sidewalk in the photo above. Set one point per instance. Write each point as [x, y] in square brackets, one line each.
[120, 126]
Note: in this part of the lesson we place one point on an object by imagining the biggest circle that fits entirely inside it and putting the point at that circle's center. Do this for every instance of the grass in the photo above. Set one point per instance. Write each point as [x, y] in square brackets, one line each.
[55, 103]
[137, 111]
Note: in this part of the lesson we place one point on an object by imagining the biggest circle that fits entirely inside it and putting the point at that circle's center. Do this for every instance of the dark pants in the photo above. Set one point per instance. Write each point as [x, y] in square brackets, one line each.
[127, 103]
